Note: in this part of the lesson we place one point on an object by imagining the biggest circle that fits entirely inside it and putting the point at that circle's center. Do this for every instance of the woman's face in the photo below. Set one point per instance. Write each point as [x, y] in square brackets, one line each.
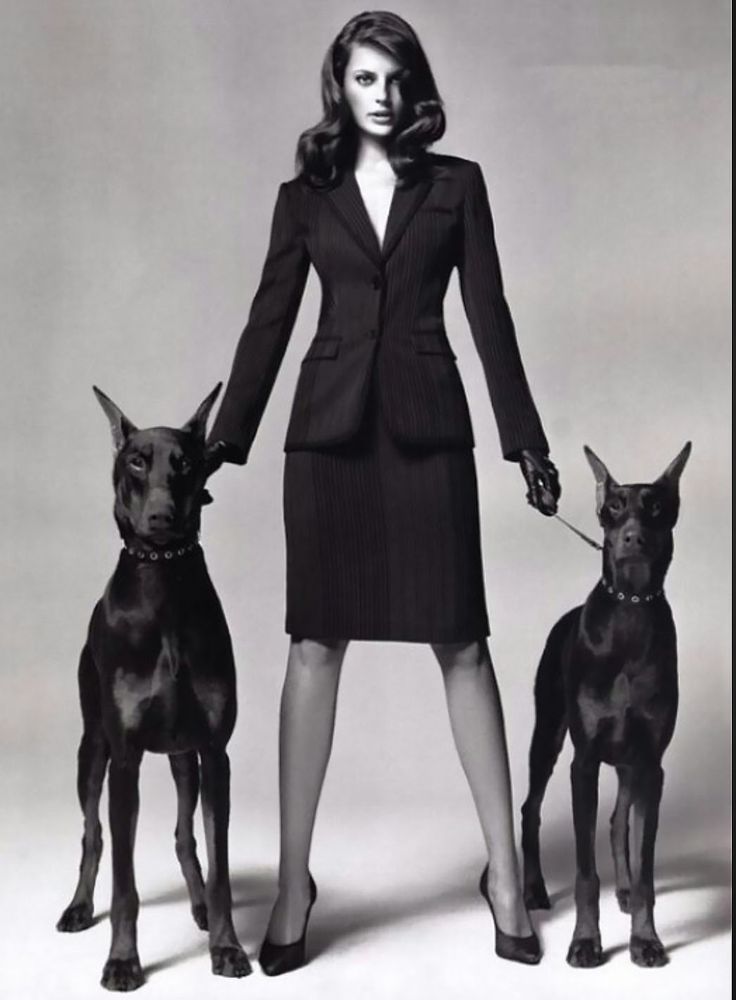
[372, 91]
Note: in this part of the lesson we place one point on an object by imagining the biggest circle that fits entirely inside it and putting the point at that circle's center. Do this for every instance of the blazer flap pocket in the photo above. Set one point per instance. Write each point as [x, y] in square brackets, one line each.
[323, 347]
[432, 342]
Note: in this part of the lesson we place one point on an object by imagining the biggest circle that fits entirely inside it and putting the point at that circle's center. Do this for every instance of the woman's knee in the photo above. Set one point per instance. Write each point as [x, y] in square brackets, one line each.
[462, 655]
[318, 653]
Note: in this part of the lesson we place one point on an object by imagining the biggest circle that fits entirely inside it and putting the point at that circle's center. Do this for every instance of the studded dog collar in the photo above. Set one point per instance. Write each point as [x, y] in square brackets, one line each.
[631, 598]
[161, 555]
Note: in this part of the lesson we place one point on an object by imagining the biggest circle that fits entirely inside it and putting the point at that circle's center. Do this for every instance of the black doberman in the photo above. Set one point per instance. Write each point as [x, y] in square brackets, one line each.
[609, 674]
[157, 674]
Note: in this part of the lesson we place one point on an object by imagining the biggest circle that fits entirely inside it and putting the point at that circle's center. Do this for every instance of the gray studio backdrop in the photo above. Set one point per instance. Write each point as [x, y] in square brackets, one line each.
[142, 147]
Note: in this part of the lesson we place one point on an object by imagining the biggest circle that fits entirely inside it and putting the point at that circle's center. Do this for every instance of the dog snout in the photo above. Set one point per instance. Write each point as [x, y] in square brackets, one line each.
[159, 514]
[161, 518]
[633, 539]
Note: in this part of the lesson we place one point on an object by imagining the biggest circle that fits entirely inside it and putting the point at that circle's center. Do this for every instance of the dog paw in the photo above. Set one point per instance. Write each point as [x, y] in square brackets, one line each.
[230, 962]
[122, 974]
[76, 918]
[649, 954]
[624, 900]
[199, 912]
[536, 898]
[584, 953]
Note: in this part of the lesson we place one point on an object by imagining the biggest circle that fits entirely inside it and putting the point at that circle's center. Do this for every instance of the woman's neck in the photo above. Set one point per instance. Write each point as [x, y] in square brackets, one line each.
[372, 154]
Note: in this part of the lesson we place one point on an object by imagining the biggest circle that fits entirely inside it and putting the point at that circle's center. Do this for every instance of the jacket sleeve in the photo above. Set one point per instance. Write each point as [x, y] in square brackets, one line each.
[262, 343]
[492, 327]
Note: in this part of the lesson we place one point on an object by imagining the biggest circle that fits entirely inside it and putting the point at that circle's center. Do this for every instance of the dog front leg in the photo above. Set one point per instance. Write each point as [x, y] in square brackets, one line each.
[185, 769]
[228, 957]
[123, 968]
[645, 947]
[620, 839]
[585, 948]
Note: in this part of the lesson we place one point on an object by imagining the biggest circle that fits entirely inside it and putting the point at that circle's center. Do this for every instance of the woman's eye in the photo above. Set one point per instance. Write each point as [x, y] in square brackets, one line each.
[364, 79]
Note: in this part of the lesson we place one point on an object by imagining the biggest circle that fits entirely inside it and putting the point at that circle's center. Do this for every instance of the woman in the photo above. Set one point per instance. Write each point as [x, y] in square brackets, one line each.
[380, 493]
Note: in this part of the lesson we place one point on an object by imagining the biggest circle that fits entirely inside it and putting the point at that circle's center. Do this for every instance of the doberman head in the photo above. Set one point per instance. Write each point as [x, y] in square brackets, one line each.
[159, 477]
[637, 521]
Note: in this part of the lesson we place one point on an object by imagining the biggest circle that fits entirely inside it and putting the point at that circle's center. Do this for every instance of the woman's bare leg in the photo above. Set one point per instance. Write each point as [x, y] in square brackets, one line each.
[308, 703]
[477, 724]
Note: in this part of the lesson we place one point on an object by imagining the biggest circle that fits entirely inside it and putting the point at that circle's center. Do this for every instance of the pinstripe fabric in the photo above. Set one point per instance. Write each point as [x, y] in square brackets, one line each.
[381, 309]
[380, 491]
[383, 541]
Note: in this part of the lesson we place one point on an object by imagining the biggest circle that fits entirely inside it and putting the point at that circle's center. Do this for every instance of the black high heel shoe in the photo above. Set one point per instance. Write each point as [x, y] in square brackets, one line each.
[516, 949]
[276, 959]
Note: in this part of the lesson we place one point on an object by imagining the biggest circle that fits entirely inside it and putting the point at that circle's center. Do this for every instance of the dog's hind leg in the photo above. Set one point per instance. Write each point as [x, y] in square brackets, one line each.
[227, 955]
[620, 839]
[549, 734]
[92, 761]
[185, 769]
[645, 947]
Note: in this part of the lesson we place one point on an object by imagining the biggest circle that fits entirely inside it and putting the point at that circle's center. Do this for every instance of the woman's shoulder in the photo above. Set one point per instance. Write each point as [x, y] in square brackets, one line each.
[453, 169]
[456, 166]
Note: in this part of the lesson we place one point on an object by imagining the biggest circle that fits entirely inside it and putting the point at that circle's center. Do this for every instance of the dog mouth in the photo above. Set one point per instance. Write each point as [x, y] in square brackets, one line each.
[635, 572]
[162, 536]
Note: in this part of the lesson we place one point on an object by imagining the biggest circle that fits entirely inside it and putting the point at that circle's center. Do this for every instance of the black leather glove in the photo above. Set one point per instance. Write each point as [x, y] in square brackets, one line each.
[542, 480]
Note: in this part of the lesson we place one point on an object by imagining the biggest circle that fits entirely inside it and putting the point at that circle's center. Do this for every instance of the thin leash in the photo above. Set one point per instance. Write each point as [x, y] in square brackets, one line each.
[579, 533]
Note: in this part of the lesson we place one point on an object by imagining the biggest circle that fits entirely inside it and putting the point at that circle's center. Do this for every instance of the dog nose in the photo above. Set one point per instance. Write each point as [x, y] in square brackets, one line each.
[634, 539]
[161, 519]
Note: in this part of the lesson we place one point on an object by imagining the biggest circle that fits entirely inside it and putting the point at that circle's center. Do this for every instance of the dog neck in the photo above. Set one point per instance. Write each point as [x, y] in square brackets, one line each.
[148, 555]
[628, 596]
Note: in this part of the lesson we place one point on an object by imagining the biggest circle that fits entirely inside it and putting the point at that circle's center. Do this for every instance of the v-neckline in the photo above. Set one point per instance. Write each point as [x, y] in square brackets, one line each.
[380, 241]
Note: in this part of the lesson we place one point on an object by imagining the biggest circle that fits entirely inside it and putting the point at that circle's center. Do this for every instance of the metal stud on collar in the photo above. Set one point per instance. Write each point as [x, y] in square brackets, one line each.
[166, 554]
[634, 598]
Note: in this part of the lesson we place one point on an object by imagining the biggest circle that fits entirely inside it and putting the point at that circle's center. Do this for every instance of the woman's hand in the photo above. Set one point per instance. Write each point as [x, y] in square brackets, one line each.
[542, 480]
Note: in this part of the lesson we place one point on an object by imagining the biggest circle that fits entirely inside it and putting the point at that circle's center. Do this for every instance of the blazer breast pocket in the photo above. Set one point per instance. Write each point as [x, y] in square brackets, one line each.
[322, 348]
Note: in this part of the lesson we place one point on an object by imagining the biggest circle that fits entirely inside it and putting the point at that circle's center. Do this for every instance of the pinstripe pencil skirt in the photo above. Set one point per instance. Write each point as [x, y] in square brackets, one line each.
[383, 541]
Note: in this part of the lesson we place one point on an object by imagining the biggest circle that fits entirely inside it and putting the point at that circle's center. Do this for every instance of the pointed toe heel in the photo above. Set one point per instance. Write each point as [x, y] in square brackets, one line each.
[515, 949]
[277, 959]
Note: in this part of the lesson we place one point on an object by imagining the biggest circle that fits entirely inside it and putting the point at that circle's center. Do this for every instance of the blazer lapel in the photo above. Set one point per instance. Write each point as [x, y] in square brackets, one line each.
[347, 202]
[404, 204]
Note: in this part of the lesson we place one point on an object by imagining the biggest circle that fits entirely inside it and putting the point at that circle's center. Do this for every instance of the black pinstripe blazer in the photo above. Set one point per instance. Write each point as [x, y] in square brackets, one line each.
[381, 310]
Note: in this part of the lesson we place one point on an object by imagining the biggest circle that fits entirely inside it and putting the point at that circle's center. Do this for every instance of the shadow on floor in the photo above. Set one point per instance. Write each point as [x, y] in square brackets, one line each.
[339, 918]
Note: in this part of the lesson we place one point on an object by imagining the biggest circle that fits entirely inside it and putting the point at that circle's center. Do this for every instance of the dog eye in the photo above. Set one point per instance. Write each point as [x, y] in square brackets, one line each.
[137, 464]
[656, 509]
[185, 467]
[615, 506]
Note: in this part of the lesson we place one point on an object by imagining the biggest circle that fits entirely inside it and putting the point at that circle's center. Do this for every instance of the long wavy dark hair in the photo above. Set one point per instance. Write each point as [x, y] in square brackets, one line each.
[325, 151]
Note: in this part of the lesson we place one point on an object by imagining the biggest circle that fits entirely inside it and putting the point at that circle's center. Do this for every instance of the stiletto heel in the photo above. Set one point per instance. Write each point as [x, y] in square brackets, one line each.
[515, 949]
[276, 959]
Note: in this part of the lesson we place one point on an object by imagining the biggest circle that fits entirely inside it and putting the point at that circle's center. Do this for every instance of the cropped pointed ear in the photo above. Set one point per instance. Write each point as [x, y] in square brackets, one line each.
[120, 426]
[198, 423]
[603, 478]
[671, 475]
